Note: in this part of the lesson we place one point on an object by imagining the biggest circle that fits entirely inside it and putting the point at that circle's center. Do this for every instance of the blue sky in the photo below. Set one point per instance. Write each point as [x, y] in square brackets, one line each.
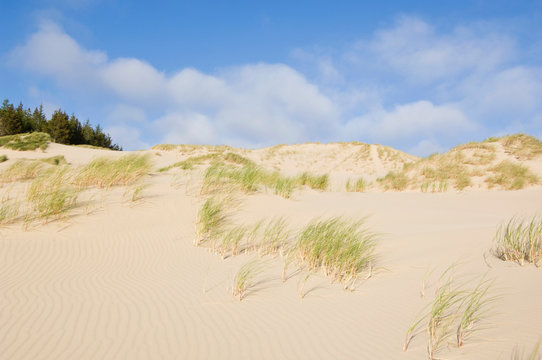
[421, 76]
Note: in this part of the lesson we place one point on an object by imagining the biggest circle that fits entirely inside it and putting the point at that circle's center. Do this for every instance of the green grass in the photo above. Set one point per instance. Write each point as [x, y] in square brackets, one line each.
[55, 160]
[455, 311]
[9, 210]
[105, 172]
[359, 185]
[245, 279]
[212, 219]
[394, 180]
[511, 176]
[3, 158]
[340, 248]
[520, 240]
[317, 182]
[24, 142]
[51, 194]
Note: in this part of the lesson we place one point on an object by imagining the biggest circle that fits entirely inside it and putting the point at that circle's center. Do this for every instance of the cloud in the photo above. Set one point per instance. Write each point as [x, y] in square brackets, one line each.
[409, 85]
[52, 52]
[414, 50]
[414, 121]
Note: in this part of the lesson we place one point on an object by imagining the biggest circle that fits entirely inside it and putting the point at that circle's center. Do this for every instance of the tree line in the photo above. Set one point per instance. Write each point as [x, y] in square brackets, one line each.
[62, 128]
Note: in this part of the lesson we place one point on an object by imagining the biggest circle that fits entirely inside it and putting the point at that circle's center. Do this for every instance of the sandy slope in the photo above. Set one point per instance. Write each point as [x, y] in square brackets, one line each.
[118, 280]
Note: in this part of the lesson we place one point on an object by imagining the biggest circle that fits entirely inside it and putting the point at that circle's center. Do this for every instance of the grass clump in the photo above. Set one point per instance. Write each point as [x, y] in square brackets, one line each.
[245, 279]
[23, 142]
[340, 248]
[211, 219]
[105, 173]
[359, 185]
[394, 180]
[511, 176]
[520, 240]
[9, 210]
[456, 311]
[22, 170]
[3, 158]
[55, 160]
[317, 182]
[51, 194]
[523, 146]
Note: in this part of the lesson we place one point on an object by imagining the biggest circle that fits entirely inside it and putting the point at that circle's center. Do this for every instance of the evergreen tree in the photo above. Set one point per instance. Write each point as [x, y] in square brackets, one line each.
[76, 131]
[11, 121]
[59, 127]
[39, 120]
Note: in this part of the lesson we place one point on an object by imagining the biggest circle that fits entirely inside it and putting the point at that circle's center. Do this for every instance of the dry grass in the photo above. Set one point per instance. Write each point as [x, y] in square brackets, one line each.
[245, 279]
[51, 194]
[22, 170]
[522, 146]
[511, 176]
[105, 172]
[394, 180]
[359, 185]
[520, 240]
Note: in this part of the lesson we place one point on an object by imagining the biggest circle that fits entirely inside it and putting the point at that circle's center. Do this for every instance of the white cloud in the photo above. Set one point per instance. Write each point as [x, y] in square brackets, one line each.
[414, 50]
[50, 51]
[414, 120]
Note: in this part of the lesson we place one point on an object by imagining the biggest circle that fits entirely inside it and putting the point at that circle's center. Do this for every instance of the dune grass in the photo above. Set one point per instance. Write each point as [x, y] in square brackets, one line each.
[24, 142]
[245, 278]
[51, 194]
[22, 170]
[3, 158]
[522, 146]
[317, 182]
[535, 354]
[455, 311]
[55, 160]
[359, 185]
[9, 210]
[105, 172]
[212, 219]
[520, 240]
[394, 180]
[340, 248]
[511, 176]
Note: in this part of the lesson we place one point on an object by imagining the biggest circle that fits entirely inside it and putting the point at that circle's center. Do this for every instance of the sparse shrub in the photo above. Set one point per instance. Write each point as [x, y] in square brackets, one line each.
[520, 240]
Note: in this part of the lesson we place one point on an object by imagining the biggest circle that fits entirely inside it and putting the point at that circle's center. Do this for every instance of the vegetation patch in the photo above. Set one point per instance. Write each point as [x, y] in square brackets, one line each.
[359, 185]
[105, 172]
[522, 146]
[454, 315]
[22, 170]
[394, 180]
[24, 142]
[520, 240]
[340, 248]
[511, 176]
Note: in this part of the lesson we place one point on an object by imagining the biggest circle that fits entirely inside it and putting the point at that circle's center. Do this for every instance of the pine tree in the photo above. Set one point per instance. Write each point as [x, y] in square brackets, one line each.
[59, 127]
[39, 120]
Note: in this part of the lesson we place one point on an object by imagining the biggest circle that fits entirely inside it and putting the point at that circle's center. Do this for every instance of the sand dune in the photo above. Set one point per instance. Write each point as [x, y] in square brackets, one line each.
[116, 279]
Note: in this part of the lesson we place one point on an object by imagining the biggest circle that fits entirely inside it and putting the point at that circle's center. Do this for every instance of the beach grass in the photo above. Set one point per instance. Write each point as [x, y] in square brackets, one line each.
[22, 170]
[105, 172]
[520, 240]
[245, 278]
[51, 194]
[26, 141]
[359, 185]
[511, 176]
[338, 247]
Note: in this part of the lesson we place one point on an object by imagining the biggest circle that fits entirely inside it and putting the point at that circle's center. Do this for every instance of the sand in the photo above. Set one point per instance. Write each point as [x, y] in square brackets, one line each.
[122, 280]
